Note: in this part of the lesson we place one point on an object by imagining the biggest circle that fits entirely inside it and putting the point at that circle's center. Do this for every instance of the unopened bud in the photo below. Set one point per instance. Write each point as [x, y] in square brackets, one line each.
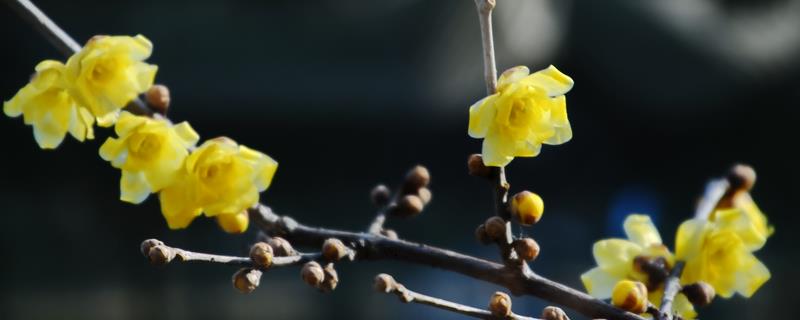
[246, 279]
[500, 304]
[160, 255]
[416, 178]
[476, 167]
[333, 249]
[149, 244]
[481, 235]
[425, 195]
[385, 283]
[380, 195]
[656, 269]
[526, 248]
[554, 313]
[281, 247]
[158, 98]
[741, 177]
[312, 274]
[495, 228]
[527, 207]
[700, 293]
[234, 223]
[261, 255]
[331, 278]
[409, 205]
[630, 296]
[389, 233]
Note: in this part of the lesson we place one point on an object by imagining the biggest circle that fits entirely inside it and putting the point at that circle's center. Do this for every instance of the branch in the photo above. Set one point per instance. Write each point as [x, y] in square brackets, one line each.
[671, 288]
[159, 253]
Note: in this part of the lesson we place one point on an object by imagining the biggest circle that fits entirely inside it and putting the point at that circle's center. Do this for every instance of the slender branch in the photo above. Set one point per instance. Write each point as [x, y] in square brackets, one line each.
[520, 281]
[408, 296]
[181, 255]
[715, 190]
[485, 8]
[377, 224]
[671, 288]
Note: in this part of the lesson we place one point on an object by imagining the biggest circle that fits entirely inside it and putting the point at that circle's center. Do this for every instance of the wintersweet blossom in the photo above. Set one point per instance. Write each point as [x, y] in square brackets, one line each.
[108, 73]
[527, 111]
[149, 151]
[46, 104]
[218, 178]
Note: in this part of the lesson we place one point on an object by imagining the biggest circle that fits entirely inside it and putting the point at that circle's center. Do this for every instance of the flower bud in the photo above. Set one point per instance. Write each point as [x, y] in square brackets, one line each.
[476, 167]
[281, 247]
[380, 195]
[385, 283]
[495, 228]
[389, 233]
[481, 235]
[741, 177]
[331, 278]
[416, 178]
[246, 279]
[148, 244]
[409, 205]
[699, 294]
[554, 313]
[312, 274]
[500, 304]
[261, 255]
[234, 223]
[527, 207]
[526, 248]
[655, 268]
[158, 98]
[333, 249]
[630, 296]
[160, 255]
[425, 195]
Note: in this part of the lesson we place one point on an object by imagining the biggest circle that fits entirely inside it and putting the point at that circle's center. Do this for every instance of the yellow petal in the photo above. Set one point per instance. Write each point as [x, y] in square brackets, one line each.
[512, 75]
[599, 283]
[615, 256]
[145, 76]
[752, 276]
[112, 150]
[265, 167]
[481, 115]
[187, 134]
[49, 132]
[551, 80]
[752, 234]
[561, 126]
[133, 187]
[689, 238]
[640, 229]
[233, 223]
[497, 150]
[683, 307]
[176, 207]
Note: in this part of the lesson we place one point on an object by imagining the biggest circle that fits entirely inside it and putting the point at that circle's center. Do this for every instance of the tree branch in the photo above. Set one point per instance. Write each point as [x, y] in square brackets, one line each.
[180, 255]
[671, 288]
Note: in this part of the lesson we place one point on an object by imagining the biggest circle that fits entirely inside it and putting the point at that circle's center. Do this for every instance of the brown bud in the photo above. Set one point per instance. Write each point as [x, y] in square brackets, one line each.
[385, 283]
[481, 235]
[417, 177]
[331, 278]
[526, 248]
[380, 195]
[700, 293]
[476, 167]
[389, 233]
[527, 207]
[500, 304]
[160, 255]
[630, 296]
[409, 205]
[261, 255]
[554, 313]
[312, 274]
[246, 279]
[425, 195]
[741, 177]
[147, 245]
[281, 247]
[333, 249]
[495, 228]
[158, 98]
[655, 268]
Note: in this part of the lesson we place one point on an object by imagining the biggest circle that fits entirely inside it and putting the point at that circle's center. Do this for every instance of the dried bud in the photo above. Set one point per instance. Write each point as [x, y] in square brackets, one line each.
[148, 244]
[500, 304]
[389, 233]
[741, 177]
[160, 255]
[261, 255]
[333, 249]
[476, 167]
[416, 178]
[526, 248]
[246, 279]
[700, 294]
[495, 228]
[380, 195]
[312, 274]
[527, 207]
[655, 268]
[630, 296]
[281, 247]
[331, 279]
[385, 283]
[481, 235]
[409, 205]
[554, 313]
[425, 195]
[158, 98]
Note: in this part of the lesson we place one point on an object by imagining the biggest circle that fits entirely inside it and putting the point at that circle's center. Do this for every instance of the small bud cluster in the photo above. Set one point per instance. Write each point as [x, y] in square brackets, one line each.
[414, 194]
[156, 252]
[325, 279]
[246, 280]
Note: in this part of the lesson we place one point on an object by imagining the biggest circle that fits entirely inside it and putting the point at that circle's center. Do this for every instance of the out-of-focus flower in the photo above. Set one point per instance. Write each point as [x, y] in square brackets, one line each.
[746, 219]
[218, 178]
[46, 104]
[527, 111]
[108, 73]
[149, 151]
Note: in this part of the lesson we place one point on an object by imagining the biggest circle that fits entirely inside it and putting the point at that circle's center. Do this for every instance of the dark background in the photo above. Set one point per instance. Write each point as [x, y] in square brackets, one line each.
[346, 94]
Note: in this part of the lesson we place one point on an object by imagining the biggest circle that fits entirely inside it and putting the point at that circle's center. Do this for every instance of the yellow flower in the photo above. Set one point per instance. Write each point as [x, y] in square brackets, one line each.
[717, 254]
[746, 219]
[46, 105]
[108, 73]
[219, 178]
[150, 152]
[527, 110]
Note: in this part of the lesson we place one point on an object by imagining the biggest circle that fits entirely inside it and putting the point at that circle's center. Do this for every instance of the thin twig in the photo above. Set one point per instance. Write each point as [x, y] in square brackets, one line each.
[377, 224]
[671, 288]
[715, 190]
[181, 255]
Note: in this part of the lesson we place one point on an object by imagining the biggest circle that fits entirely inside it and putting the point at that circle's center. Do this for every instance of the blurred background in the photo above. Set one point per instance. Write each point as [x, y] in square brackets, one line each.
[346, 94]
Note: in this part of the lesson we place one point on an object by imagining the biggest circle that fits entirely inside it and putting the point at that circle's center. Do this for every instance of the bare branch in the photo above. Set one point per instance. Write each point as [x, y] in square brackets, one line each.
[671, 288]
[181, 255]
[715, 190]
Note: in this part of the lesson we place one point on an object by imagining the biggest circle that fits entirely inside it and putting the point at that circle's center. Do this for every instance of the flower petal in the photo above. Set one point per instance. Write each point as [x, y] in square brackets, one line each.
[512, 75]
[599, 283]
[640, 229]
[133, 187]
[187, 134]
[560, 122]
[615, 256]
[481, 115]
[497, 150]
[551, 80]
